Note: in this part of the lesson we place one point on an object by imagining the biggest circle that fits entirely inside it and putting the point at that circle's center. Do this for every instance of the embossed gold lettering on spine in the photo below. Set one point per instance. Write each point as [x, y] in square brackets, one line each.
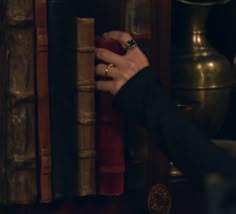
[44, 144]
[20, 158]
[85, 105]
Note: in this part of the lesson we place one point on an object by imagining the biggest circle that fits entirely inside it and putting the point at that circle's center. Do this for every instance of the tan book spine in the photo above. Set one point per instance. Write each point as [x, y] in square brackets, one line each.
[20, 156]
[44, 144]
[85, 83]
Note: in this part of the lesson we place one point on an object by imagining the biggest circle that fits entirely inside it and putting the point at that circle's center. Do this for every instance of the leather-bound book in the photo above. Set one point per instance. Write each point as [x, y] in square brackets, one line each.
[18, 166]
[85, 90]
[3, 105]
[61, 98]
[43, 119]
[110, 138]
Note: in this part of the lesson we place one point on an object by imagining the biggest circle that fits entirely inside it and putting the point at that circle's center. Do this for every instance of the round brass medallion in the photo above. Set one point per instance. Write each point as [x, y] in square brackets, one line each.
[159, 200]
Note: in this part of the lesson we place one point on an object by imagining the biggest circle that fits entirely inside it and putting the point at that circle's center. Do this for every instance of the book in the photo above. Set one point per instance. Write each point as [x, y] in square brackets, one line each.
[43, 117]
[3, 106]
[85, 92]
[62, 100]
[110, 137]
[18, 164]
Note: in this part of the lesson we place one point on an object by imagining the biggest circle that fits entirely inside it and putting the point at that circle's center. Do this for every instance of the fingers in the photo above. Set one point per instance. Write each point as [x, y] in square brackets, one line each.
[109, 56]
[106, 86]
[107, 71]
[124, 38]
[126, 65]
[120, 36]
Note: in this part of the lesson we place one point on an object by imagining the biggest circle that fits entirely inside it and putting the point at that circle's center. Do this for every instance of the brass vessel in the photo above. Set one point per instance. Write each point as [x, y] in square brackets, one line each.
[204, 2]
[202, 78]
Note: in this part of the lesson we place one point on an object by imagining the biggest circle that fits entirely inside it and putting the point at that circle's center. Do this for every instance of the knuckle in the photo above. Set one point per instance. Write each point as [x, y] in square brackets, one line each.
[125, 76]
[101, 53]
[99, 67]
[125, 36]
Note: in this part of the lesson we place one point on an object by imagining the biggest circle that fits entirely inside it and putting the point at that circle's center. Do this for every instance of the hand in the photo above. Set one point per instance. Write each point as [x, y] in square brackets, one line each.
[119, 68]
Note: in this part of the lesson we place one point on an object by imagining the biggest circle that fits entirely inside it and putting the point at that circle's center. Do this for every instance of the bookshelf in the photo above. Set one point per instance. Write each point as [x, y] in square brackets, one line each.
[176, 194]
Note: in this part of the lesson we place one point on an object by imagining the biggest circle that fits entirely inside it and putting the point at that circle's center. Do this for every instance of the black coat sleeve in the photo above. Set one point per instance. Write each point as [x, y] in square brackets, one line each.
[143, 100]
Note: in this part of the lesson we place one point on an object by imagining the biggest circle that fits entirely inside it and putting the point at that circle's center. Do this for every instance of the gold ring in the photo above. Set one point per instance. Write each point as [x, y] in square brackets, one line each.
[107, 68]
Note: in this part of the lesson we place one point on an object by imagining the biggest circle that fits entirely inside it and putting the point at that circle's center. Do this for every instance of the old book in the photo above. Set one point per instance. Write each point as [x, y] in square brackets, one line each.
[61, 98]
[110, 138]
[85, 91]
[3, 106]
[18, 165]
[43, 118]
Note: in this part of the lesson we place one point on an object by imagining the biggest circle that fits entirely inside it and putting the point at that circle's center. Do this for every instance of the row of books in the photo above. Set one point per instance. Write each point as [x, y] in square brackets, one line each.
[59, 138]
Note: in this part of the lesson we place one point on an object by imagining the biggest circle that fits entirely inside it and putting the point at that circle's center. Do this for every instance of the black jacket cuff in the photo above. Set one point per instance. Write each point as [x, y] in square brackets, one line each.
[130, 100]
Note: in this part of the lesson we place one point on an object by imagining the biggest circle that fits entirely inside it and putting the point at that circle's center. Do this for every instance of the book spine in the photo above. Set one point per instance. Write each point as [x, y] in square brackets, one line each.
[44, 144]
[85, 90]
[110, 150]
[110, 138]
[61, 98]
[20, 153]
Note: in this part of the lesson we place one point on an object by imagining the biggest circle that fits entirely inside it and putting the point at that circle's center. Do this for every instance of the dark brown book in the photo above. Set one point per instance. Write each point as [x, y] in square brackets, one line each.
[44, 143]
[62, 105]
[3, 106]
[85, 90]
[18, 166]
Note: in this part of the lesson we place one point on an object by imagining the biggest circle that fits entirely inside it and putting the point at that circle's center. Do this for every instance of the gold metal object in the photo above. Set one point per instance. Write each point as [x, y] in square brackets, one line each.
[107, 69]
[174, 171]
[204, 2]
[202, 77]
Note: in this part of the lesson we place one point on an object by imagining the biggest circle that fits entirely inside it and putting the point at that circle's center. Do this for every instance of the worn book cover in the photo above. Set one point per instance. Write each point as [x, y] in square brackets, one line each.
[85, 106]
[61, 98]
[18, 156]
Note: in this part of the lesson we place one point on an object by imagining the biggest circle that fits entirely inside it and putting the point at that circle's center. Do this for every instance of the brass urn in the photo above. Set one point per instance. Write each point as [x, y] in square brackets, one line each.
[202, 77]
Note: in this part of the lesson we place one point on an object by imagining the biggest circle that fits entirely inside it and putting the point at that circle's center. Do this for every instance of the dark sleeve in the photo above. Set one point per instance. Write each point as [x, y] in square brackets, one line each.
[143, 100]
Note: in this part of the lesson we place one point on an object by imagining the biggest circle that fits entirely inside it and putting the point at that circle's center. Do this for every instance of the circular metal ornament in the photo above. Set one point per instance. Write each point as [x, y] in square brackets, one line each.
[159, 200]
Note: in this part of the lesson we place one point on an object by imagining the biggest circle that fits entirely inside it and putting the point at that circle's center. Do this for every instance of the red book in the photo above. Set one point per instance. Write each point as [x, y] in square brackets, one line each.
[110, 137]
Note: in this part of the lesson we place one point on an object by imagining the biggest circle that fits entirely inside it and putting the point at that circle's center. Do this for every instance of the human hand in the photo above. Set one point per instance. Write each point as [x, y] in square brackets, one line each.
[119, 68]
